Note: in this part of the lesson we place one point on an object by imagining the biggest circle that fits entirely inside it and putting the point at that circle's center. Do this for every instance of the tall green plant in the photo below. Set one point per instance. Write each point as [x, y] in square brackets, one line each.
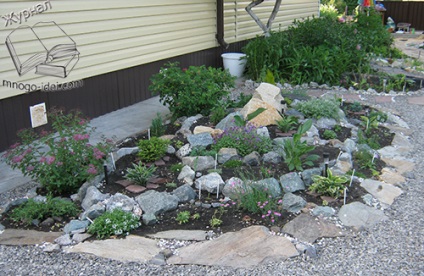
[296, 151]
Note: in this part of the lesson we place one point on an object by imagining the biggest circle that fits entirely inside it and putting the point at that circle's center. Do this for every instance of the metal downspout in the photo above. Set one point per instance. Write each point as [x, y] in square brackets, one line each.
[220, 23]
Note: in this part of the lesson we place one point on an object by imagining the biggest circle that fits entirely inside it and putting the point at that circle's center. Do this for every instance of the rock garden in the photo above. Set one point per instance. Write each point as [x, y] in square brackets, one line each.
[263, 164]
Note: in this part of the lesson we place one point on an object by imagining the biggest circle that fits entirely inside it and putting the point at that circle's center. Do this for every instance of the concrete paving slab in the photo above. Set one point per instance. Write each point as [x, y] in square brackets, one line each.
[27, 237]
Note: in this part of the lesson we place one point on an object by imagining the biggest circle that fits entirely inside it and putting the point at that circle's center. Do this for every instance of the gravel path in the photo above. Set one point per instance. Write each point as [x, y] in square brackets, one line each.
[395, 247]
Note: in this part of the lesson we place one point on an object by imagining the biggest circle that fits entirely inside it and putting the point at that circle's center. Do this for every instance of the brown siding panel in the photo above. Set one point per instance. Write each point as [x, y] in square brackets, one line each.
[406, 12]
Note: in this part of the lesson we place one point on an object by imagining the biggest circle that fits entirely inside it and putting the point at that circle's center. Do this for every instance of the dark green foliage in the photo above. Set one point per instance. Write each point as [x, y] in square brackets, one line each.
[53, 207]
[318, 49]
[157, 128]
[231, 164]
[332, 185]
[296, 152]
[329, 134]
[202, 151]
[191, 91]
[153, 149]
[285, 124]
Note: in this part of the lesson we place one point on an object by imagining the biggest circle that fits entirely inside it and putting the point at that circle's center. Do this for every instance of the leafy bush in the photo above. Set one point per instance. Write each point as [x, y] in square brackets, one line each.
[231, 164]
[364, 159]
[332, 185]
[153, 149]
[328, 11]
[245, 139]
[140, 173]
[295, 150]
[116, 222]
[202, 151]
[62, 160]
[53, 207]
[355, 107]
[318, 49]
[285, 124]
[329, 134]
[191, 91]
[157, 128]
[319, 108]
[183, 217]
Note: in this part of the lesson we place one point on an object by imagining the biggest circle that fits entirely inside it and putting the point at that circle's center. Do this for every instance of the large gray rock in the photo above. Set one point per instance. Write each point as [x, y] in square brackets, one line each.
[293, 203]
[64, 240]
[359, 215]
[185, 193]
[92, 197]
[210, 182]
[271, 185]
[272, 157]
[27, 237]
[183, 151]
[252, 159]
[123, 202]
[156, 203]
[93, 212]
[234, 187]
[190, 121]
[228, 122]
[200, 140]
[187, 175]
[307, 228]
[125, 151]
[199, 163]
[349, 145]
[307, 175]
[325, 123]
[76, 225]
[243, 249]
[324, 211]
[182, 235]
[292, 182]
[226, 154]
[83, 189]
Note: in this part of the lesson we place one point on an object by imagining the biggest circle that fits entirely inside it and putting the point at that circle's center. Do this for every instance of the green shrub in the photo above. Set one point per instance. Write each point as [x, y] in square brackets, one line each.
[53, 207]
[364, 159]
[176, 168]
[332, 185]
[319, 108]
[245, 139]
[62, 160]
[202, 151]
[153, 149]
[218, 113]
[140, 173]
[285, 124]
[116, 222]
[355, 107]
[295, 151]
[231, 164]
[328, 11]
[329, 134]
[157, 128]
[183, 217]
[191, 91]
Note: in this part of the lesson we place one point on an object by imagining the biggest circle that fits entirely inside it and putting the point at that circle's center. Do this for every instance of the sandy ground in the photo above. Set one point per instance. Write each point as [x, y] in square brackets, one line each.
[410, 46]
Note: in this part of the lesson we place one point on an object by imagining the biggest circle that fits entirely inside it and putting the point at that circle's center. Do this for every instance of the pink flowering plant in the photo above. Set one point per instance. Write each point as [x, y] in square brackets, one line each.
[60, 160]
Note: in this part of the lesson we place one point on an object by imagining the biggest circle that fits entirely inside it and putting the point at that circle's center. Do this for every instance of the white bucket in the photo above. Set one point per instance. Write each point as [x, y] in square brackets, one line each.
[234, 63]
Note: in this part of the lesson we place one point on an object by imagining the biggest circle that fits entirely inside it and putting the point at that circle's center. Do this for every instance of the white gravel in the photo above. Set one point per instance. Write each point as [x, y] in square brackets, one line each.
[394, 247]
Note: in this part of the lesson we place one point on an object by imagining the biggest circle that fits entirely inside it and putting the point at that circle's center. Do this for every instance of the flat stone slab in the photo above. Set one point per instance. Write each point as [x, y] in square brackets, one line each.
[307, 228]
[359, 215]
[243, 249]
[416, 100]
[385, 193]
[27, 237]
[184, 235]
[401, 165]
[392, 177]
[131, 249]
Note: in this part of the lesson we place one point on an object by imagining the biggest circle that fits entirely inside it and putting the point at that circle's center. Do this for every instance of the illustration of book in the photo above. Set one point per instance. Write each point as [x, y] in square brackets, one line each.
[45, 47]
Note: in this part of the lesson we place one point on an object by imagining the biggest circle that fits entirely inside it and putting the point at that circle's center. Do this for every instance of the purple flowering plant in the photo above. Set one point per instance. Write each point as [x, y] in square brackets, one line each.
[60, 160]
[243, 138]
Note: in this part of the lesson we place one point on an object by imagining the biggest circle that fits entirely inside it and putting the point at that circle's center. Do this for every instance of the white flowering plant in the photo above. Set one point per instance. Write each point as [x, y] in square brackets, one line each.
[114, 223]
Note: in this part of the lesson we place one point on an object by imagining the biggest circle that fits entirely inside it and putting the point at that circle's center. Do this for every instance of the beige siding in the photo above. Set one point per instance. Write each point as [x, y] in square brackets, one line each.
[112, 35]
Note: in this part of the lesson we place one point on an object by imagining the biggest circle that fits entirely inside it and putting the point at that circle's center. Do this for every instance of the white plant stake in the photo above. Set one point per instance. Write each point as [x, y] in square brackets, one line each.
[113, 161]
[344, 196]
[351, 178]
[217, 191]
[148, 133]
[216, 159]
[338, 156]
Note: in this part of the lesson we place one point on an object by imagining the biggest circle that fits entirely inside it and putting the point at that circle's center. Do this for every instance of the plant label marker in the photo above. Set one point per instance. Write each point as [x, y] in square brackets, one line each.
[351, 178]
[148, 133]
[344, 196]
[216, 160]
[217, 191]
[113, 161]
